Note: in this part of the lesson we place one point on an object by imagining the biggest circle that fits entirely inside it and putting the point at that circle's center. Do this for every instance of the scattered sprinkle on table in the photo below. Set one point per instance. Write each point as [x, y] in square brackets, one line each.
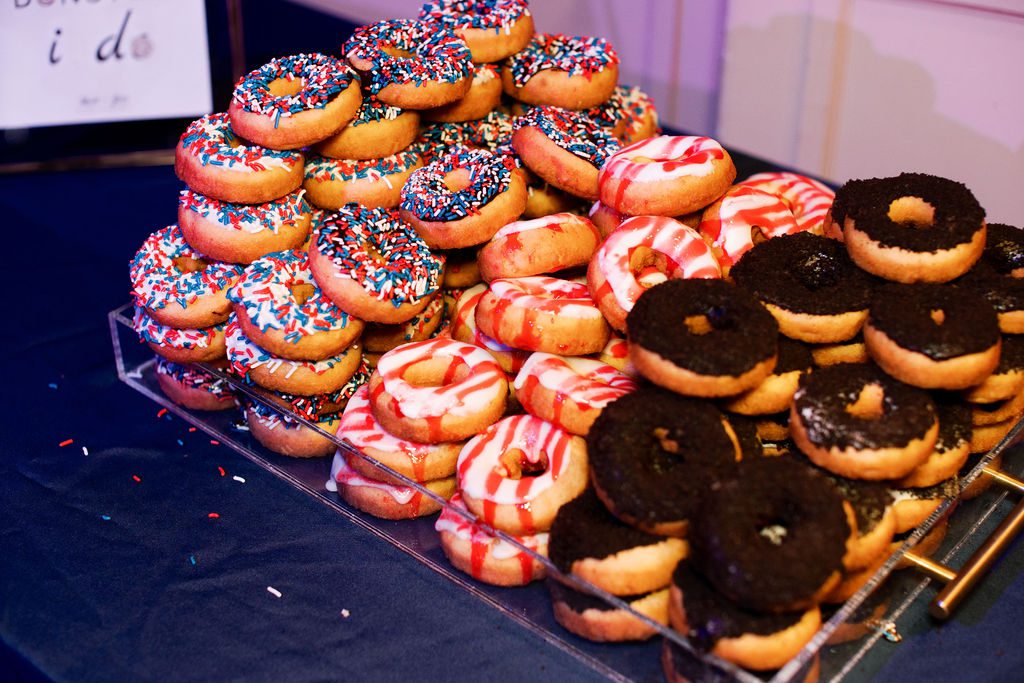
[192, 559]
[221, 470]
[52, 385]
[213, 515]
[66, 442]
[161, 412]
[85, 451]
[215, 442]
[191, 429]
[105, 518]
[137, 478]
[345, 613]
[238, 479]
[273, 591]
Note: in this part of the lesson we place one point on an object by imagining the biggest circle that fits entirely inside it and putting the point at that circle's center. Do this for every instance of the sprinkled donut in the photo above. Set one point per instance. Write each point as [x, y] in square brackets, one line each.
[540, 313]
[539, 246]
[465, 329]
[385, 499]
[241, 233]
[378, 130]
[373, 264]
[180, 345]
[291, 102]
[410, 64]
[437, 390]
[629, 114]
[492, 29]
[565, 148]
[666, 176]
[177, 285]
[378, 338]
[574, 72]
[210, 159]
[280, 308]
[493, 133]
[463, 197]
[332, 183]
[615, 274]
[193, 388]
[517, 473]
[483, 97]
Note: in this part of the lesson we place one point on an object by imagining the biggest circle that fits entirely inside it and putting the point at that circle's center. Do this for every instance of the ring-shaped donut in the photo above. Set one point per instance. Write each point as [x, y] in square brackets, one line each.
[539, 246]
[465, 329]
[808, 199]
[573, 72]
[483, 97]
[492, 29]
[332, 183]
[378, 130]
[180, 345]
[193, 388]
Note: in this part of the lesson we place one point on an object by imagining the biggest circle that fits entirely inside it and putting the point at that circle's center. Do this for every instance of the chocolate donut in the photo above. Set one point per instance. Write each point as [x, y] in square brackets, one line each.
[595, 619]
[745, 429]
[911, 228]
[932, 336]
[856, 421]
[654, 455]
[809, 284]
[702, 338]
[1004, 249]
[1005, 294]
[775, 392]
[773, 538]
[951, 448]
[1007, 380]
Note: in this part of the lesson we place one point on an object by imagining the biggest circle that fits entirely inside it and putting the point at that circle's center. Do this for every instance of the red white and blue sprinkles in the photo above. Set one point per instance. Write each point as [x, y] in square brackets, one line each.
[194, 378]
[152, 332]
[428, 197]
[249, 218]
[325, 169]
[323, 78]
[244, 355]
[575, 55]
[405, 271]
[439, 55]
[313, 408]
[265, 292]
[211, 141]
[157, 281]
[493, 133]
[496, 15]
[572, 131]
[372, 111]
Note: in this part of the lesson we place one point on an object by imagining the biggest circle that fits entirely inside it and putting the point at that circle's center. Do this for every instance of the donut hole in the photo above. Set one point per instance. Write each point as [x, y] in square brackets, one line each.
[458, 179]
[302, 291]
[649, 267]
[912, 212]
[397, 52]
[937, 315]
[187, 264]
[515, 463]
[697, 324]
[436, 372]
[286, 87]
[870, 403]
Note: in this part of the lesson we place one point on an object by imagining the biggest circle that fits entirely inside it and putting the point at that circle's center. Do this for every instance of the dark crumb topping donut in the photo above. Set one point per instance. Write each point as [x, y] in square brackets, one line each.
[1003, 293]
[708, 327]
[804, 273]
[793, 356]
[772, 537]
[956, 214]
[745, 429]
[868, 499]
[940, 322]
[579, 601]
[826, 397]
[654, 454]
[1011, 354]
[583, 528]
[711, 616]
[949, 488]
[1004, 248]
[954, 420]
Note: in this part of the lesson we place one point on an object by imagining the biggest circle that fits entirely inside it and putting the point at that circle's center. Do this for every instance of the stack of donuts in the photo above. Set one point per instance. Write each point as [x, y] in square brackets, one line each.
[722, 402]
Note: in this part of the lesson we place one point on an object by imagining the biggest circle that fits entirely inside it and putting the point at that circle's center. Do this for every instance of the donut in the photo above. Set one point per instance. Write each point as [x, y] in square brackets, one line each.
[952, 447]
[1003, 293]
[192, 387]
[383, 499]
[747, 637]
[291, 102]
[332, 183]
[666, 176]
[177, 285]
[461, 271]
[1007, 380]
[727, 342]
[685, 666]
[673, 249]
[589, 542]
[809, 284]
[564, 148]
[808, 199]
[493, 133]
[653, 456]
[852, 350]
[378, 338]
[539, 246]
[997, 411]
[483, 97]
[911, 228]
[377, 131]
[280, 308]
[373, 265]
[984, 437]
[462, 198]
[1004, 249]
[437, 390]
[301, 377]
[858, 422]
[773, 538]
[519, 471]
[913, 506]
[932, 336]
[573, 72]
[543, 199]
[211, 160]
[180, 345]
[568, 392]
[595, 619]
[492, 29]
[241, 233]
[474, 550]
[465, 329]
[541, 313]
[629, 113]
[775, 393]
[616, 354]
[410, 64]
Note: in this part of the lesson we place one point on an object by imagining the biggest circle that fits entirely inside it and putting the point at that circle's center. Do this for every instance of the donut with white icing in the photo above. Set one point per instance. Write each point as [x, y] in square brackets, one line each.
[539, 246]
[332, 183]
[180, 345]
[383, 499]
[808, 199]
[465, 329]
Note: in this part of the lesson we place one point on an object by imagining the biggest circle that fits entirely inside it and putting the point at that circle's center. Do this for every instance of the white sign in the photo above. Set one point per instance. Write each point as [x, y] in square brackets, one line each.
[87, 61]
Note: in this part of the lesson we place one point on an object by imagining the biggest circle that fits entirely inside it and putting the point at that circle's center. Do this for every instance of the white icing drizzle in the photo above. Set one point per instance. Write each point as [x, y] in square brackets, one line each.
[539, 292]
[588, 382]
[673, 156]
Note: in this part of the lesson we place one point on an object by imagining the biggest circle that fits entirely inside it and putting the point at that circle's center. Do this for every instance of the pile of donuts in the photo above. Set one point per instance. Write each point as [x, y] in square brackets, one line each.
[464, 248]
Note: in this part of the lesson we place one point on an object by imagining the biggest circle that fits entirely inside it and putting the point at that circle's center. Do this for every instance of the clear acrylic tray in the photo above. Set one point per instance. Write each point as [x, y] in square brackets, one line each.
[890, 601]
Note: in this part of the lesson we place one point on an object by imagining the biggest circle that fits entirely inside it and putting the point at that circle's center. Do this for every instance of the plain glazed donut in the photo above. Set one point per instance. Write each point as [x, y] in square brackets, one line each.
[672, 248]
[541, 313]
[241, 233]
[465, 329]
[192, 387]
[377, 131]
[210, 159]
[177, 285]
[516, 473]
[180, 345]
[462, 198]
[383, 499]
[474, 550]
[573, 72]
[492, 29]
[666, 176]
[332, 183]
[568, 392]
[291, 102]
[437, 390]
[483, 97]
[539, 246]
[373, 264]
[410, 64]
